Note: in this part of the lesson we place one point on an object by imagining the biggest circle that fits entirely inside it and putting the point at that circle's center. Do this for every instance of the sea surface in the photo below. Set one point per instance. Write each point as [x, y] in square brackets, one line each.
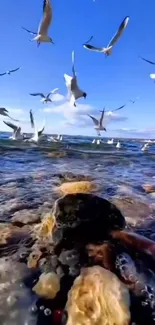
[29, 177]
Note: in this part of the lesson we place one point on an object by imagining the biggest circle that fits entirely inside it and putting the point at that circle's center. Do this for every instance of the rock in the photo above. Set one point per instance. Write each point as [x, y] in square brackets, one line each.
[33, 259]
[48, 285]
[98, 297]
[70, 177]
[104, 255]
[134, 211]
[95, 215]
[25, 217]
[77, 187]
[57, 154]
[149, 188]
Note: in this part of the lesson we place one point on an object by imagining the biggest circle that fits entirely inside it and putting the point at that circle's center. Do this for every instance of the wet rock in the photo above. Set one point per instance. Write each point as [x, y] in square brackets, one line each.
[34, 258]
[97, 297]
[70, 177]
[48, 285]
[25, 217]
[57, 154]
[94, 216]
[77, 187]
[104, 255]
[149, 188]
[70, 257]
[134, 211]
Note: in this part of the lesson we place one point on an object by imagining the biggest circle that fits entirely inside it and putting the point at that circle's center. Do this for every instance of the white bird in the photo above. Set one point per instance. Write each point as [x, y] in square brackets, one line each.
[145, 147]
[110, 141]
[37, 133]
[17, 134]
[94, 141]
[98, 123]
[98, 141]
[152, 76]
[107, 50]
[42, 34]
[10, 71]
[4, 112]
[118, 145]
[74, 91]
[45, 99]
[133, 101]
[59, 138]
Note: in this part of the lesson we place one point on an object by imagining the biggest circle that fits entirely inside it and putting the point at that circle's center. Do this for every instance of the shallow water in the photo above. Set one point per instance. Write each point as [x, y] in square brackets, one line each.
[29, 175]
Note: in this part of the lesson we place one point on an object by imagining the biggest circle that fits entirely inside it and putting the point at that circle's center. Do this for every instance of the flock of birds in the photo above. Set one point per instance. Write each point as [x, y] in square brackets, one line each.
[74, 91]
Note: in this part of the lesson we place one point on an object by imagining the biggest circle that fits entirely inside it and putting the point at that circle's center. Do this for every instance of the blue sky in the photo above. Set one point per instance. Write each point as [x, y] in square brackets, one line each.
[109, 82]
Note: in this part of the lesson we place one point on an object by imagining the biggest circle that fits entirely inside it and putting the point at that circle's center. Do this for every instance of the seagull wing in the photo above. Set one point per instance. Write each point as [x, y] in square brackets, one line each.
[41, 131]
[15, 69]
[94, 120]
[3, 74]
[73, 64]
[119, 32]
[29, 31]
[93, 48]
[32, 119]
[102, 117]
[151, 62]
[117, 109]
[38, 94]
[47, 17]
[54, 90]
[11, 125]
[68, 80]
[3, 110]
[88, 40]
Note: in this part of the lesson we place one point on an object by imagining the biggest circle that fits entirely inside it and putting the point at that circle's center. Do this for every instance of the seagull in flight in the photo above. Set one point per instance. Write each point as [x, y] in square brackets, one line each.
[4, 112]
[74, 91]
[133, 101]
[45, 99]
[17, 135]
[10, 71]
[98, 123]
[148, 61]
[117, 109]
[107, 50]
[42, 34]
[37, 133]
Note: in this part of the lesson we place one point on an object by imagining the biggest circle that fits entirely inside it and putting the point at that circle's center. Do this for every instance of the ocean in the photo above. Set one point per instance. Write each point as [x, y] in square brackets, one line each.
[29, 177]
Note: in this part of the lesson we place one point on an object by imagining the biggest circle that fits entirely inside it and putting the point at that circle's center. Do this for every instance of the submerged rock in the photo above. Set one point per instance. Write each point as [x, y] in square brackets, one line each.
[77, 187]
[149, 188]
[25, 217]
[98, 297]
[48, 285]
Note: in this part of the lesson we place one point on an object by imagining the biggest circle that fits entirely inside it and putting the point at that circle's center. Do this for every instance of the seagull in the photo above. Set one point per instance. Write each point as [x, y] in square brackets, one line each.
[133, 101]
[37, 133]
[17, 135]
[4, 112]
[74, 91]
[152, 76]
[116, 109]
[118, 145]
[145, 147]
[107, 51]
[45, 99]
[10, 71]
[148, 61]
[98, 123]
[42, 34]
[110, 141]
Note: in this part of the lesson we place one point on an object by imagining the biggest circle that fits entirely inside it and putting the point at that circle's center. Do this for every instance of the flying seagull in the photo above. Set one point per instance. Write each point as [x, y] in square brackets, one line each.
[116, 109]
[4, 112]
[74, 91]
[10, 71]
[98, 123]
[148, 61]
[42, 34]
[107, 50]
[37, 133]
[45, 99]
[133, 101]
[17, 135]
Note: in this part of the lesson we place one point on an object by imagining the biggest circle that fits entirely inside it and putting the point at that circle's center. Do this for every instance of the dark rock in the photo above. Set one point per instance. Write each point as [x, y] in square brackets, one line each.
[76, 209]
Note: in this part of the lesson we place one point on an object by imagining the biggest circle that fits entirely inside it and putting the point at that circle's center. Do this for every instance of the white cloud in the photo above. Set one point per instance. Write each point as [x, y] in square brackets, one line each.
[58, 97]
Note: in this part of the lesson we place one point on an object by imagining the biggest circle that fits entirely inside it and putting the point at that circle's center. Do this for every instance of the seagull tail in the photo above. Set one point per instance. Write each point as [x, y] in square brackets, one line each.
[107, 50]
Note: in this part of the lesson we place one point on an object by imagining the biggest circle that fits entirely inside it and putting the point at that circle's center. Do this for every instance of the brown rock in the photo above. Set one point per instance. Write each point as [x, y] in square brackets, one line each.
[77, 187]
[48, 285]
